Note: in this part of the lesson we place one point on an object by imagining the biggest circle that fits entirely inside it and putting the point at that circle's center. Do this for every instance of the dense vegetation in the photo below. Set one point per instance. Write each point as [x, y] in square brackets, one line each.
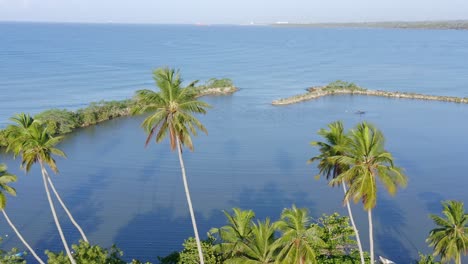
[63, 121]
[294, 238]
[354, 159]
[342, 85]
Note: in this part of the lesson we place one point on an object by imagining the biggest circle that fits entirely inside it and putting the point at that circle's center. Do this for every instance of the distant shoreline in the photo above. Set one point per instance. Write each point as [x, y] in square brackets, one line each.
[435, 25]
[343, 88]
[438, 25]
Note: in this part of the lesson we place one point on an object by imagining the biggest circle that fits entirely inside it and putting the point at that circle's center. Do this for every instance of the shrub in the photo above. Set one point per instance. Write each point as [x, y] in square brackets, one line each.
[58, 121]
[84, 253]
[341, 85]
[190, 253]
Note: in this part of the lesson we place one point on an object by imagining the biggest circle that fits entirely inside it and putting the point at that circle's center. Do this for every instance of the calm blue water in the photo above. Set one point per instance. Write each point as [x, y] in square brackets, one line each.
[255, 154]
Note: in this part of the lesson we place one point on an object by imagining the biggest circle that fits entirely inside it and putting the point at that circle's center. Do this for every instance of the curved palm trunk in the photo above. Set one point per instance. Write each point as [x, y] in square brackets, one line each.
[371, 236]
[66, 209]
[189, 201]
[459, 258]
[54, 214]
[356, 232]
[22, 239]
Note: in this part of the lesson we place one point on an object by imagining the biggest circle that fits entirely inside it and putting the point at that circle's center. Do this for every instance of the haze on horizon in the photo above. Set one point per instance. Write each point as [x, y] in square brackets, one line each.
[231, 11]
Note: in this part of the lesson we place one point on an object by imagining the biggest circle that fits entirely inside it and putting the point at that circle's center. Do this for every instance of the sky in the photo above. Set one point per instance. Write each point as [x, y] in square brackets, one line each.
[230, 11]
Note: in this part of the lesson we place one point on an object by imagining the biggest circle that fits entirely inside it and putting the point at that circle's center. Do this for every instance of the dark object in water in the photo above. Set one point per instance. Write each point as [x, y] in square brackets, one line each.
[359, 112]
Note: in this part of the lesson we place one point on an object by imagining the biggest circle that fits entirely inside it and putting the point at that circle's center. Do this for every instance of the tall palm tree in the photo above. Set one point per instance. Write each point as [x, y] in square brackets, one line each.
[16, 135]
[233, 235]
[335, 144]
[368, 161]
[36, 145]
[259, 247]
[450, 238]
[299, 240]
[173, 107]
[5, 179]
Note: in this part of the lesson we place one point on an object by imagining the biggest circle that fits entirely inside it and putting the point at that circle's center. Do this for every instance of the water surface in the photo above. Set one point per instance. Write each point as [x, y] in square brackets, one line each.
[255, 154]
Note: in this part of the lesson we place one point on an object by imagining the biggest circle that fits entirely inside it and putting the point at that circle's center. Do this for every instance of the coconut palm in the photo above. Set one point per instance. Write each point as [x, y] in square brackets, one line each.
[450, 238]
[172, 109]
[299, 240]
[233, 235]
[368, 162]
[36, 145]
[20, 132]
[5, 179]
[259, 247]
[335, 143]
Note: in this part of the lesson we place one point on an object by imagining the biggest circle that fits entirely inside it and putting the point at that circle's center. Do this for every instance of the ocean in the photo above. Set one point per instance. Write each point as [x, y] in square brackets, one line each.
[255, 155]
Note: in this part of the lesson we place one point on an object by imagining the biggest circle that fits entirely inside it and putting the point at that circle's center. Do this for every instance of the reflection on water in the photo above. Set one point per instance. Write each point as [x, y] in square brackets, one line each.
[255, 158]
[255, 154]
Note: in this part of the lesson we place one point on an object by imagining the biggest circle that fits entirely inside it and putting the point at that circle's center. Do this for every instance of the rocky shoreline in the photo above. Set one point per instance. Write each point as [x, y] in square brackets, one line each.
[321, 91]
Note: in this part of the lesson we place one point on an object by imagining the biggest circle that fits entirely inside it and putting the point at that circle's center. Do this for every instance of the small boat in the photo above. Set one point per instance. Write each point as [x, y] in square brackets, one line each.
[359, 112]
[385, 261]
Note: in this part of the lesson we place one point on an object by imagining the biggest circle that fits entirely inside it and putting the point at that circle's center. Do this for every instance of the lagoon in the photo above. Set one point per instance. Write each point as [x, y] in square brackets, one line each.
[255, 154]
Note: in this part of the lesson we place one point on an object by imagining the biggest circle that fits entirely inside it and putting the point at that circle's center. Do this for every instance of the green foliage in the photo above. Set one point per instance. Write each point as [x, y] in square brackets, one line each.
[450, 237]
[173, 107]
[190, 253]
[342, 85]
[172, 258]
[58, 121]
[336, 234]
[217, 83]
[234, 235]
[3, 139]
[352, 258]
[426, 259]
[84, 253]
[5, 179]
[299, 239]
[104, 110]
[10, 257]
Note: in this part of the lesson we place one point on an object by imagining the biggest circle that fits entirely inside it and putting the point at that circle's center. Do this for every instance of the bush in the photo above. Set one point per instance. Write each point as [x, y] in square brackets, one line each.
[58, 121]
[426, 259]
[336, 233]
[100, 111]
[84, 253]
[219, 83]
[190, 253]
[342, 85]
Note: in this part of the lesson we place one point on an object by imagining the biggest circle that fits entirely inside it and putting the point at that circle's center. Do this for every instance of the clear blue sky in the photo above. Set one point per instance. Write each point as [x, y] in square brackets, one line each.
[230, 11]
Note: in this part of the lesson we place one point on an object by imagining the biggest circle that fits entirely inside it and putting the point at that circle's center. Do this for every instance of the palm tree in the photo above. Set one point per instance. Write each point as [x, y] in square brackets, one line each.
[173, 106]
[17, 134]
[368, 161]
[259, 247]
[5, 179]
[450, 238]
[233, 235]
[299, 239]
[36, 145]
[335, 143]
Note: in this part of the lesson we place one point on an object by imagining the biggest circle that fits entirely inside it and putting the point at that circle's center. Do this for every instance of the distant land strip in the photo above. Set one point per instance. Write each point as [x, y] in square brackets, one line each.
[341, 88]
[449, 24]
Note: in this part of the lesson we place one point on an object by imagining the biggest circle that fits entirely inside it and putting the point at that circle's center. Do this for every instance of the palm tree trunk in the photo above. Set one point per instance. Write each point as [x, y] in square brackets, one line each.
[459, 258]
[351, 218]
[22, 239]
[189, 201]
[66, 209]
[371, 236]
[54, 214]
